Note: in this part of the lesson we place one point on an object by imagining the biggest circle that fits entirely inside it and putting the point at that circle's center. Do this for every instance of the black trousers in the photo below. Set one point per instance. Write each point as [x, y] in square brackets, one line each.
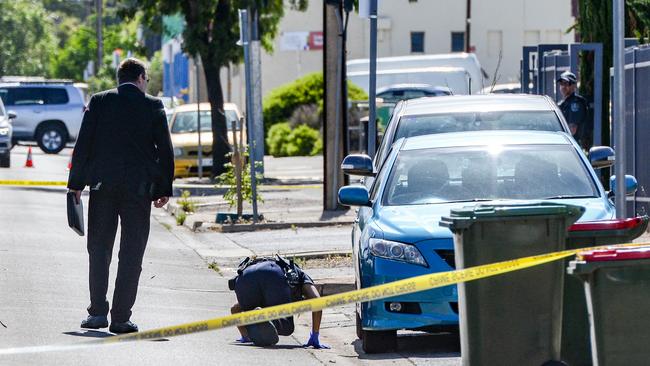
[106, 205]
[264, 284]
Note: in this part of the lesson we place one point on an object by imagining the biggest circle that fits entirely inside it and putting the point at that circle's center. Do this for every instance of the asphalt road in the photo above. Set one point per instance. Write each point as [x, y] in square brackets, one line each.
[43, 294]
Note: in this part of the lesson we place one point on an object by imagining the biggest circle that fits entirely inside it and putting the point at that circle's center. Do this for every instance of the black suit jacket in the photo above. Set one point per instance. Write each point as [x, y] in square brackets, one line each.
[124, 139]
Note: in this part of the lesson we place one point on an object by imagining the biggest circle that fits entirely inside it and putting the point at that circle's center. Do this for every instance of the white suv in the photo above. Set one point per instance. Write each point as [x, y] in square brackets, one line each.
[48, 112]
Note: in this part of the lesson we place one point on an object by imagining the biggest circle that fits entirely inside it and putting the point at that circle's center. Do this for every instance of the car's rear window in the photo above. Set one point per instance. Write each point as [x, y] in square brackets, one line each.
[477, 121]
[487, 173]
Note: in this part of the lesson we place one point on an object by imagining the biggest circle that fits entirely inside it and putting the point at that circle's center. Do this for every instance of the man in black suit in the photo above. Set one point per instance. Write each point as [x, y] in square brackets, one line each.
[124, 154]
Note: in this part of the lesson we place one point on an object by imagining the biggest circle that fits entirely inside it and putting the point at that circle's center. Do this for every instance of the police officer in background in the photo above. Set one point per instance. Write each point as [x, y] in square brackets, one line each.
[575, 110]
[264, 282]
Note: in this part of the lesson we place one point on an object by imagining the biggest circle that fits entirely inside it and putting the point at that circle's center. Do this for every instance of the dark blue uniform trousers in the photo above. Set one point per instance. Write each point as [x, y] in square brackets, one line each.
[264, 284]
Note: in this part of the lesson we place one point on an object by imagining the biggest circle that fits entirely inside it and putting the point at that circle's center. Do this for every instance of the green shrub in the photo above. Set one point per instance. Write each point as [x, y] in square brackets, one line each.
[318, 147]
[229, 179]
[180, 218]
[300, 141]
[277, 138]
[281, 102]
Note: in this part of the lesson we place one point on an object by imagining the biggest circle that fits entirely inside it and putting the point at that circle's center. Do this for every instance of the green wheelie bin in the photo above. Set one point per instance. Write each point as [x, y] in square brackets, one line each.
[513, 318]
[576, 346]
[617, 288]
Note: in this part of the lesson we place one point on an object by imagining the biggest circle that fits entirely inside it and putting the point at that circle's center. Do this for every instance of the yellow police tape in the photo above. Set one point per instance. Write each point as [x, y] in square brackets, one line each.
[401, 287]
[31, 183]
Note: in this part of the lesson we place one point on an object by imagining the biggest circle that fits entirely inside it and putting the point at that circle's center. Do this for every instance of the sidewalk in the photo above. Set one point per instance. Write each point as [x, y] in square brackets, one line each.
[283, 207]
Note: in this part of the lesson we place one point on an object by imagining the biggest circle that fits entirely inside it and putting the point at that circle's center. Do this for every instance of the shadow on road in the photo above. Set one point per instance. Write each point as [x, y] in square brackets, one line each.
[444, 345]
[90, 334]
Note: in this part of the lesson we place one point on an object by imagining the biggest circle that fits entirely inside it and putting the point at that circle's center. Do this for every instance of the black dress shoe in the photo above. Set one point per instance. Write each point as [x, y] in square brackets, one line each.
[125, 327]
[95, 322]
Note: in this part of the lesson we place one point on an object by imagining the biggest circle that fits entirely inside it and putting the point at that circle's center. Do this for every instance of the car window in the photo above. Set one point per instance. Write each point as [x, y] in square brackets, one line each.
[476, 121]
[25, 96]
[487, 173]
[4, 95]
[187, 121]
[2, 109]
[56, 96]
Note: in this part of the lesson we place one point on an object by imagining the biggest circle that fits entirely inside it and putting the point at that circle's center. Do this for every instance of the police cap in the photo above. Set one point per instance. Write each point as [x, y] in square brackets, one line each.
[568, 77]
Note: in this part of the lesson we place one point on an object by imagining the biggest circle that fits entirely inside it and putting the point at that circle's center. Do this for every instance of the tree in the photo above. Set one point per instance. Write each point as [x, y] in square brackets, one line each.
[211, 32]
[26, 38]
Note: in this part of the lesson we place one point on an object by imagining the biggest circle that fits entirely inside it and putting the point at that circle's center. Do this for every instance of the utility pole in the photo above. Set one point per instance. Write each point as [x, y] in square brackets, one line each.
[98, 30]
[372, 118]
[618, 88]
[256, 92]
[245, 42]
[335, 101]
[197, 61]
[468, 23]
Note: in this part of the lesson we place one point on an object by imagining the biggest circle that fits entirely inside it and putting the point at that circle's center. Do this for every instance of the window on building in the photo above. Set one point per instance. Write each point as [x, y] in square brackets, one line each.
[457, 41]
[417, 42]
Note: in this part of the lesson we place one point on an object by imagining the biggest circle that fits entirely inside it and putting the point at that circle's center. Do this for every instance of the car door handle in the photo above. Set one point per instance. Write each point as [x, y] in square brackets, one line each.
[36, 111]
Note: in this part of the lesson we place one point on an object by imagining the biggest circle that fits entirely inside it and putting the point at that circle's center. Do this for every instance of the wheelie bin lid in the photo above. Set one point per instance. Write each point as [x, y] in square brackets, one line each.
[609, 255]
[464, 217]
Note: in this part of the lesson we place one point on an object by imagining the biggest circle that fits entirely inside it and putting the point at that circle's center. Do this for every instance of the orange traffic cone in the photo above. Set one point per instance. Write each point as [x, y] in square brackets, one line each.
[29, 163]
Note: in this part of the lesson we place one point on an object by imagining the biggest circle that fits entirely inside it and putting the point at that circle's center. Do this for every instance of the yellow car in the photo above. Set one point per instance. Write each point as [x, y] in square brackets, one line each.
[185, 137]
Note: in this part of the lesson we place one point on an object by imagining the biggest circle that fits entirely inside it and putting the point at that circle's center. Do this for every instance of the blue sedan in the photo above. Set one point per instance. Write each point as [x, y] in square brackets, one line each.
[397, 234]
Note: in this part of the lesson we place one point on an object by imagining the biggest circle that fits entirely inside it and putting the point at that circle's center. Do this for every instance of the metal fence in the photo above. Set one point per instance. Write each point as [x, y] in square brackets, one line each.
[553, 65]
[637, 122]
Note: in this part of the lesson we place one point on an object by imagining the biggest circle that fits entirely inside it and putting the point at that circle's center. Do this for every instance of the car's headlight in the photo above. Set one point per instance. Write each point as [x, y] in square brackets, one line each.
[4, 131]
[178, 151]
[396, 251]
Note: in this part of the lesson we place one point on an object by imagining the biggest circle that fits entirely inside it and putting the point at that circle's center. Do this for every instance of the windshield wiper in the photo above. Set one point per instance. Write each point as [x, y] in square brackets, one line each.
[566, 196]
[472, 200]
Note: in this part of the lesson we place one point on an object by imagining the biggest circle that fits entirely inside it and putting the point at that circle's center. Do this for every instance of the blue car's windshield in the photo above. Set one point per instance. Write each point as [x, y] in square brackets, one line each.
[418, 125]
[487, 173]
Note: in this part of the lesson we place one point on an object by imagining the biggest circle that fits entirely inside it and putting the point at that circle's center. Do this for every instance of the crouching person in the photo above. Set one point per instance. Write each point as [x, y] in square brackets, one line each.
[264, 282]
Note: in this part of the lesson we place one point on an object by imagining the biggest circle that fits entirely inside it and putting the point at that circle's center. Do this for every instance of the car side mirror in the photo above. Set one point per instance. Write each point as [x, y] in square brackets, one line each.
[601, 157]
[11, 115]
[631, 184]
[358, 164]
[356, 195]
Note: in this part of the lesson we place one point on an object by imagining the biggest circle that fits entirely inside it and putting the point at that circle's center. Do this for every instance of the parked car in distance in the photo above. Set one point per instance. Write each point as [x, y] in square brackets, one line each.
[397, 92]
[397, 233]
[435, 115]
[5, 136]
[48, 111]
[185, 136]
[509, 88]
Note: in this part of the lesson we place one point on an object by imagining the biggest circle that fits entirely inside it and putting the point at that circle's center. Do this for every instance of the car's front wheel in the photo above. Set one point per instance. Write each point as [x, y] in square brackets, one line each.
[5, 160]
[51, 138]
[379, 341]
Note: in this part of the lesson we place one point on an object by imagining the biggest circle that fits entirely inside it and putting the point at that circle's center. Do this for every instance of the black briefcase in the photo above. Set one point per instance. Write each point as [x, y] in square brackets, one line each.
[75, 214]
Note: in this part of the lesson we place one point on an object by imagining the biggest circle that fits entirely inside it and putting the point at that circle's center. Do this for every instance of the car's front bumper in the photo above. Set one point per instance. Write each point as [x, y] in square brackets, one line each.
[188, 168]
[431, 308]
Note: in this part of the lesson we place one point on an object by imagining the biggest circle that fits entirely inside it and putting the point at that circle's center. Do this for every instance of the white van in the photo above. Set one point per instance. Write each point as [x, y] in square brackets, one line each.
[457, 79]
[467, 61]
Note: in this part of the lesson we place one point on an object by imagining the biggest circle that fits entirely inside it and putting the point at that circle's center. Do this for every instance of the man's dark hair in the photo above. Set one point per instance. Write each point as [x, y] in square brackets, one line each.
[130, 69]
